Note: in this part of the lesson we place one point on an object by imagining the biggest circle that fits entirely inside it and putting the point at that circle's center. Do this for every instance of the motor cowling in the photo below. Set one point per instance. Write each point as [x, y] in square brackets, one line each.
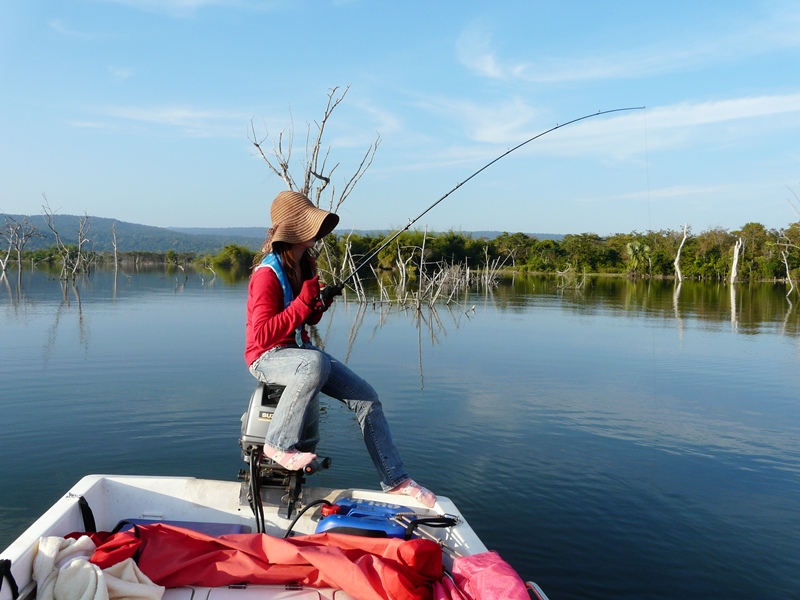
[258, 417]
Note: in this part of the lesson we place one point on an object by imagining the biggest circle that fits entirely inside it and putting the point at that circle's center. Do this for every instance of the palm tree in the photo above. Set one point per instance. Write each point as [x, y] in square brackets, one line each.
[638, 256]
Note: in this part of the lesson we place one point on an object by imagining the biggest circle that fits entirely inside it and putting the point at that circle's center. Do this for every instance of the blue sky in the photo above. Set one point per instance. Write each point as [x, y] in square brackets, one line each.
[140, 110]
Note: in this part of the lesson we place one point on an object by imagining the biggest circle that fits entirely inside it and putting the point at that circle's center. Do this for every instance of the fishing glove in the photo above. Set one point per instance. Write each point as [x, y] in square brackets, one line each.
[309, 294]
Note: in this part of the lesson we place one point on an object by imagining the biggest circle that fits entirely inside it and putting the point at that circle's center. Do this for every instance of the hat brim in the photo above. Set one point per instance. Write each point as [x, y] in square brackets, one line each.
[312, 224]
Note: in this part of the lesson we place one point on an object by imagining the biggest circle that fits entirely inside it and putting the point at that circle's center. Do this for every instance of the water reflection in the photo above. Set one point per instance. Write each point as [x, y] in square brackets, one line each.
[748, 309]
[427, 320]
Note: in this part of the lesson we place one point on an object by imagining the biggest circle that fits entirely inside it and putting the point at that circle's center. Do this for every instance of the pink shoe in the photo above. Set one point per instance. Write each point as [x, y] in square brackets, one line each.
[411, 488]
[293, 460]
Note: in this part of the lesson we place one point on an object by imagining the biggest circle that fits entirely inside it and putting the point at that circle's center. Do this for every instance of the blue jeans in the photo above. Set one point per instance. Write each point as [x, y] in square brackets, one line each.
[308, 371]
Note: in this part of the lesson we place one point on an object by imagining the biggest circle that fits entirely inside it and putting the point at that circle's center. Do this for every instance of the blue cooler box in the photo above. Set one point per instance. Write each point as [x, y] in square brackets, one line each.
[365, 518]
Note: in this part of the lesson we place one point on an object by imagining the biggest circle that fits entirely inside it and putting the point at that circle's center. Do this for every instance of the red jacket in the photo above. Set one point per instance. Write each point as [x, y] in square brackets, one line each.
[268, 324]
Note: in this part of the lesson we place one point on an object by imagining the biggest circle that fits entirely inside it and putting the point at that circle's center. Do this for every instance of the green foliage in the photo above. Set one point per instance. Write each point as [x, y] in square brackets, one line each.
[546, 256]
[588, 251]
[638, 254]
[233, 258]
[708, 255]
[517, 246]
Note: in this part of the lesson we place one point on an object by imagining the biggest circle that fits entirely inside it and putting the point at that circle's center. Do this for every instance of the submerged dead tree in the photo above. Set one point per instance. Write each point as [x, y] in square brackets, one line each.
[789, 240]
[677, 262]
[17, 235]
[737, 249]
[316, 172]
[74, 259]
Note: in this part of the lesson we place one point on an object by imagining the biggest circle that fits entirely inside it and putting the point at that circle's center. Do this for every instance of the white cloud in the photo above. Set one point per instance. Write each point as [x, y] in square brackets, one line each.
[98, 125]
[186, 121]
[489, 129]
[62, 28]
[120, 73]
[497, 123]
[183, 8]
[679, 191]
[704, 113]
[621, 136]
[474, 49]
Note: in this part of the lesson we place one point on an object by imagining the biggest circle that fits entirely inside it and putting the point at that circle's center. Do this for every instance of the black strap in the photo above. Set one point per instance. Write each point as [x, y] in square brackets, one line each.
[89, 524]
[440, 521]
[5, 573]
[118, 527]
[136, 533]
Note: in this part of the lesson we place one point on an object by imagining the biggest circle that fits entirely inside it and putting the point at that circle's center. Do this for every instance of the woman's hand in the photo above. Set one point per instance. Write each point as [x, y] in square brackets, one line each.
[309, 293]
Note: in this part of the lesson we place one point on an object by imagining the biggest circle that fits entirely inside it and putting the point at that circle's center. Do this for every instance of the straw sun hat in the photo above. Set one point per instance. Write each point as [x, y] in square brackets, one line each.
[295, 219]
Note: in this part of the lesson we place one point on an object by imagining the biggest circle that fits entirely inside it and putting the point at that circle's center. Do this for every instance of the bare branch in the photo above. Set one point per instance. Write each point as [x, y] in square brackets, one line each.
[317, 175]
[72, 262]
[282, 158]
[312, 155]
[365, 164]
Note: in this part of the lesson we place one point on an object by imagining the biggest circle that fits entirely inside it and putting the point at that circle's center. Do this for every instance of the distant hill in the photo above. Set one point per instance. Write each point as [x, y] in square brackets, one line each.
[255, 233]
[132, 237]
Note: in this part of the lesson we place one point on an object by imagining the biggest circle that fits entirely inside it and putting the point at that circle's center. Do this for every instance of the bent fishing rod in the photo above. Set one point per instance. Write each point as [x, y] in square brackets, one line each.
[333, 290]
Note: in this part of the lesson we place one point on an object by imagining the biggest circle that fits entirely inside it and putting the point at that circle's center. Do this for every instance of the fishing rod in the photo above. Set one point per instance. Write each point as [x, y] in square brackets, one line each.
[333, 290]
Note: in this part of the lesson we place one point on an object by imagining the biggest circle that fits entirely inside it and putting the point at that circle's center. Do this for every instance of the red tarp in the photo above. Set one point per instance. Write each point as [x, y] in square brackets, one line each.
[366, 568]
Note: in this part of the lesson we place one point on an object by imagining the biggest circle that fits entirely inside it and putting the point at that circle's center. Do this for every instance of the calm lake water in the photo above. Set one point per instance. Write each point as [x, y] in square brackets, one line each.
[614, 441]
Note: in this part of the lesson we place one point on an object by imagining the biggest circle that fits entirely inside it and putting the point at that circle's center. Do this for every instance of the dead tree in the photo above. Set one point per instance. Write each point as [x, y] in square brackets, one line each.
[677, 262]
[785, 258]
[788, 244]
[737, 248]
[17, 235]
[316, 177]
[114, 243]
[74, 260]
[9, 237]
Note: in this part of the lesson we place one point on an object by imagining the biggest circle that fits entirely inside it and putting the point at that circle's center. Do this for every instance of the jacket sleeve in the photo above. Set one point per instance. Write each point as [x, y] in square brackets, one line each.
[268, 323]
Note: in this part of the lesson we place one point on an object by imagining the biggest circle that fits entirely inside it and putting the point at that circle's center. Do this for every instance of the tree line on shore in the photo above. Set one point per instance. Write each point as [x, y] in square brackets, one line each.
[762, 254]
[752, 252]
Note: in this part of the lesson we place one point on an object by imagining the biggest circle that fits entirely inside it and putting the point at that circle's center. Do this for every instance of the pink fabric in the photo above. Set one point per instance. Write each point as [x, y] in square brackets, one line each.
[486, 576]
[446, 590]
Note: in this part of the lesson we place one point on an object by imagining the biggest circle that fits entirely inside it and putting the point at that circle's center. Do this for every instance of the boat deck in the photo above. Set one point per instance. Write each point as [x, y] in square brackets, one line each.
[113, 498]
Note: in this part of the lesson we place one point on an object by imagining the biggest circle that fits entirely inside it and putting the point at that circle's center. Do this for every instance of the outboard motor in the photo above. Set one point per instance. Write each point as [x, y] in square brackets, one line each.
[264, 473]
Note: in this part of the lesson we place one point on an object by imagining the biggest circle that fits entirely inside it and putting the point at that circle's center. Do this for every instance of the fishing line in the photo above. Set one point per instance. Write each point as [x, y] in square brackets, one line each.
[650, 227]
[332, 290]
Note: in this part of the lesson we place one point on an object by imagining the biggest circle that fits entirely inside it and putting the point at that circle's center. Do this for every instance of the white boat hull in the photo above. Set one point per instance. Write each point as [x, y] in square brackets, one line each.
[113, 498]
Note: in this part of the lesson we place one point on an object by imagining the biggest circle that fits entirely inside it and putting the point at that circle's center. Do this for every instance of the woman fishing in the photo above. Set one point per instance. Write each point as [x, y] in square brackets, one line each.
[284, 297]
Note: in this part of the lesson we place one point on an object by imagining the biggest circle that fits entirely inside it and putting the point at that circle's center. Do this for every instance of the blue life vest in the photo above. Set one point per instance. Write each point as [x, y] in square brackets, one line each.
[273, 261]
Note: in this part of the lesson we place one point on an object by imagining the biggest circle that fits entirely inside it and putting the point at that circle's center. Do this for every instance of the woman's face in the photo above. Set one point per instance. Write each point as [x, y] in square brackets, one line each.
[306, 245]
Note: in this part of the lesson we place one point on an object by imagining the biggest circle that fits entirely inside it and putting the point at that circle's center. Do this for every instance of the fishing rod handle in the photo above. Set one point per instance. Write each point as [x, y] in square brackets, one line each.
[331, 291]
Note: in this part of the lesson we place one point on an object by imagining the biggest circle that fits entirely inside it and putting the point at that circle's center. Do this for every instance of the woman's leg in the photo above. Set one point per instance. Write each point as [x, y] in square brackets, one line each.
[303, 372]
[360, 397]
